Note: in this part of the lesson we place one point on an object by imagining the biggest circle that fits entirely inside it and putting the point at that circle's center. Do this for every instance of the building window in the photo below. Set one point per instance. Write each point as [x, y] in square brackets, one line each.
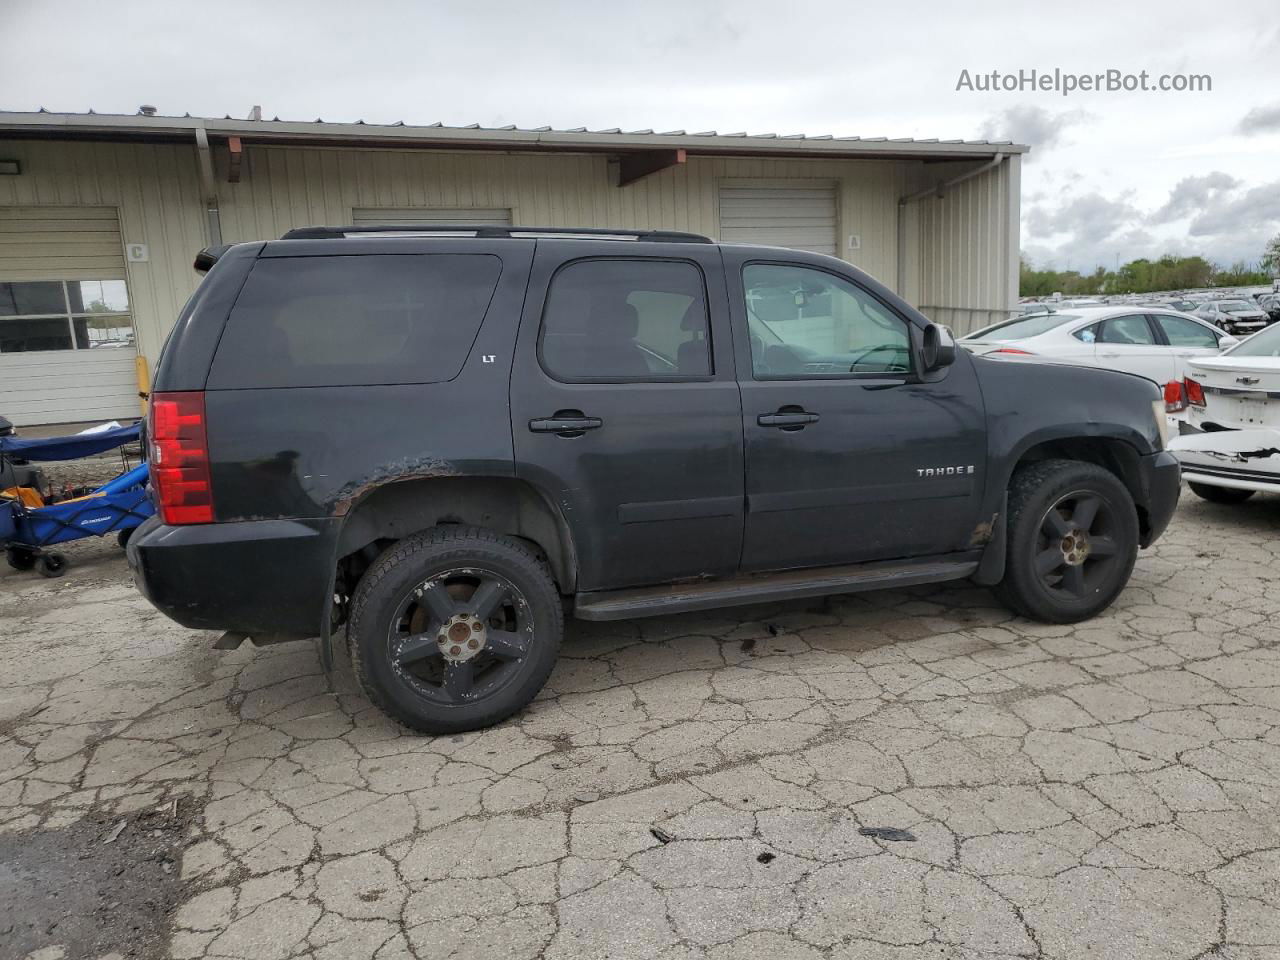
[64, 315]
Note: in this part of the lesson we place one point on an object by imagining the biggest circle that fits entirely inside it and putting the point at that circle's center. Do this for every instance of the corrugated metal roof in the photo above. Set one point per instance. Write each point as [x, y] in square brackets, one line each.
[475, 136]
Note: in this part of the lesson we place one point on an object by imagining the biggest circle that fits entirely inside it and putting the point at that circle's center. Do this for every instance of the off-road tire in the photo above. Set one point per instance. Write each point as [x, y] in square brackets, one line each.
[1207, 491]
[1034, 489]
[398, 572]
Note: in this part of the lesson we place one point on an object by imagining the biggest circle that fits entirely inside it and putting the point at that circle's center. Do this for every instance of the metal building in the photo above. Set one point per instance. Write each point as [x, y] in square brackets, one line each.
[100, 216]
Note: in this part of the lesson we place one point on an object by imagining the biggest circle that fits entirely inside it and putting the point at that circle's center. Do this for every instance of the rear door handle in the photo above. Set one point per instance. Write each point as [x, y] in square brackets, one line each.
[565, 426]
[787, 421]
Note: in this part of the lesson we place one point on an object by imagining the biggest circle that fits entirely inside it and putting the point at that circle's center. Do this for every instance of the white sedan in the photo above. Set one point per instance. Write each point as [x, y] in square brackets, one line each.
[1152, 342]
[1230, 443]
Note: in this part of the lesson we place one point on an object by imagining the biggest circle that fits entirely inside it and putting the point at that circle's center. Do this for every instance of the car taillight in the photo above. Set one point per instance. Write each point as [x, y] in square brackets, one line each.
[1025, 353]
[179, 454]
[1175, 396]
[1195, 393]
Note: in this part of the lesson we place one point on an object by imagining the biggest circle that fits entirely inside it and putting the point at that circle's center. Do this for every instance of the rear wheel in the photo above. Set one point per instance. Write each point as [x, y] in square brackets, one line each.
[454, 629]
[1214, 494]
[20, 558]
[1073, 540]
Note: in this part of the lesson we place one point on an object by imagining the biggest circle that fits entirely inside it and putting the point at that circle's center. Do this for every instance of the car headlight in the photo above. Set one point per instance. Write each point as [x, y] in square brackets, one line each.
[1162, 421]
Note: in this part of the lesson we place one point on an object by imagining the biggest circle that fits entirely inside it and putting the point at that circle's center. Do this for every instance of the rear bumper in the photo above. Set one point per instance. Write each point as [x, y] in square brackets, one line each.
[1161, 477]
[255, 576]
[1239, 479]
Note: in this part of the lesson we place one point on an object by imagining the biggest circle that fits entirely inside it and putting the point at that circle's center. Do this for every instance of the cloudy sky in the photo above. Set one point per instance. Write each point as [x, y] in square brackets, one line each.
[1112, 175]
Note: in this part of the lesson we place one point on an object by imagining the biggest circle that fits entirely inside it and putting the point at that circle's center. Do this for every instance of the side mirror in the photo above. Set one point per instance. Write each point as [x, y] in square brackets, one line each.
[1227, 341]
[939, 347]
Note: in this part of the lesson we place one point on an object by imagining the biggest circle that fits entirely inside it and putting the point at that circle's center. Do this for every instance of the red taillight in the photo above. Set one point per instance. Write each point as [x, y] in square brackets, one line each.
[179, 455]
[1195, 393]
[1175, 396]
[1025, 353]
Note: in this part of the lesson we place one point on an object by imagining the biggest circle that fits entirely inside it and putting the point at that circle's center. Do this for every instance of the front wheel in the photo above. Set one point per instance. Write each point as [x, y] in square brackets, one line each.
[1214, 494]
[1073, 540]
[455, 629]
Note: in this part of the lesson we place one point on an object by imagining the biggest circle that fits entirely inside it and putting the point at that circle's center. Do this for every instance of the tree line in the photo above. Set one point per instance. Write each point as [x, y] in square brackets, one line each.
[1150, 276]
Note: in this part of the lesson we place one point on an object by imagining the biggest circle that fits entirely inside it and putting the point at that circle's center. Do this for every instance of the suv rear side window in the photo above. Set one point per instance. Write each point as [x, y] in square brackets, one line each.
[616, 319]
[354, 321]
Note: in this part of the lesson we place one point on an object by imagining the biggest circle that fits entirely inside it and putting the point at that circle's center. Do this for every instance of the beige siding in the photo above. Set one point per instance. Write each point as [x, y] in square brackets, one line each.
[67, 386]
[60, 243]
[963, 246]
[284, 187]
[953, 262]
[154, 191]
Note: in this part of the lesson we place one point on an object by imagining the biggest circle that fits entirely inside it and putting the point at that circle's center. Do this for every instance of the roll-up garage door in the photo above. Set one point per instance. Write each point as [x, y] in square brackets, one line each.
[409, 216]
[802, 217]
[66, 327]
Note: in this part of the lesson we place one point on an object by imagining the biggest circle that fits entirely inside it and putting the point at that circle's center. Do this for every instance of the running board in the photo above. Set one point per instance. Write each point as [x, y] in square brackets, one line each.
[769, 587]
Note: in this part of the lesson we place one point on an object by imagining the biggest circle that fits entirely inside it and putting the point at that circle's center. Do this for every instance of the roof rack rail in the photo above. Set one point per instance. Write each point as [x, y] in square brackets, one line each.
[486, 231]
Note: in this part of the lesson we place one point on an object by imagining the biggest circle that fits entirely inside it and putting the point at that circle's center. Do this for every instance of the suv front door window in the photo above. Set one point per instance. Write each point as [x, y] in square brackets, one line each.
[808, 323]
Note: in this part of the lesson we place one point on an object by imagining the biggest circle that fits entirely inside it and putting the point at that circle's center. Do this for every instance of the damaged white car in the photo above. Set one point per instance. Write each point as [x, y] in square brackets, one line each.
[1230, 442]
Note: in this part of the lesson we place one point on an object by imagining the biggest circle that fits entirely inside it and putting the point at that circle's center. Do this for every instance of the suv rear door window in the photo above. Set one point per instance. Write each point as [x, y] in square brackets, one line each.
[354, 321]
[620, 319]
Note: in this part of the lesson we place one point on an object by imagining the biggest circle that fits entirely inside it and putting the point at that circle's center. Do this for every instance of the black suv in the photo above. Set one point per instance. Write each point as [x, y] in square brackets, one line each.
[444, 440]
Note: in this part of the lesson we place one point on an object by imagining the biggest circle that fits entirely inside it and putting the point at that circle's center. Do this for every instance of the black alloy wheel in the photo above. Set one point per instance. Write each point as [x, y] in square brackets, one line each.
[1076, 553]
[460, 636]
[455, 628]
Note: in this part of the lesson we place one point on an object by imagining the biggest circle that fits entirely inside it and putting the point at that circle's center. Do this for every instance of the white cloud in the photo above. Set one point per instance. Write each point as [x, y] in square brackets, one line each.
[1193, 194]
[1260, 120]
[1032, 125]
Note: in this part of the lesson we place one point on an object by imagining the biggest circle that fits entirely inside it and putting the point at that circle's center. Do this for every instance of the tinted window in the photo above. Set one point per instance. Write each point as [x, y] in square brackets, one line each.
[1131, 330]
[807, 323]
[334, 321]
[1023, 327]
[1185, 333]
[626, 319]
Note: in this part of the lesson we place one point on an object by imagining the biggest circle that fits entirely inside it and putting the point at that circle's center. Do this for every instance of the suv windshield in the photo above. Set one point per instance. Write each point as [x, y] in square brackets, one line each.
[1023, 327]
[1264, 344]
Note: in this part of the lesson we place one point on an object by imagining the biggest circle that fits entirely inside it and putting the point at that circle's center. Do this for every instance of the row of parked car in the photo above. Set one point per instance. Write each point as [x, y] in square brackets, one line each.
[1240, 313]
[1219, 361]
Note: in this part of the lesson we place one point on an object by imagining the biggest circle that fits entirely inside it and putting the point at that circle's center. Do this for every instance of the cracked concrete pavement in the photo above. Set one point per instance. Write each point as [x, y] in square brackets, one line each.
[692, 787]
